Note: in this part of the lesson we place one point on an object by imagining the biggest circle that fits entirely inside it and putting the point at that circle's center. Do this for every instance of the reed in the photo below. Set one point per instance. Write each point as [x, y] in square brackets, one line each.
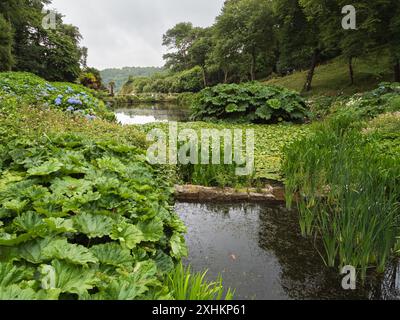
[349, 193]
[186, 285]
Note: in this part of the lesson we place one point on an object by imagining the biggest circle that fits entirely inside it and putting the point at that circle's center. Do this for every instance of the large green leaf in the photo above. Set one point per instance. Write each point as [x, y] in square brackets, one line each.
[60, 225]
[72, 253]
[70, 186]
[112, 254]
[93, 226]
[47, 168]
[152, 230]
[30, 222]
[264, 113]
[70, 278]
[32, 251]
[178, 246]
[10, 274]
[128, 235]
[14, 292]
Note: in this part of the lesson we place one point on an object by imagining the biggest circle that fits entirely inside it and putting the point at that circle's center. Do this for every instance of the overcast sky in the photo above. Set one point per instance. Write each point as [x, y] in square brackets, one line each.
[123, 33]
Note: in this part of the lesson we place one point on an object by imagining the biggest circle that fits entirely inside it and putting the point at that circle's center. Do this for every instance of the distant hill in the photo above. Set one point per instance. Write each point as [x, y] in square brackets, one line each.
[121, 76]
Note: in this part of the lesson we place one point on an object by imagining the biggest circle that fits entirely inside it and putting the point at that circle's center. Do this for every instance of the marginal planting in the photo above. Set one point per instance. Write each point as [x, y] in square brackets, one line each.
[269, 144]
[346, 174]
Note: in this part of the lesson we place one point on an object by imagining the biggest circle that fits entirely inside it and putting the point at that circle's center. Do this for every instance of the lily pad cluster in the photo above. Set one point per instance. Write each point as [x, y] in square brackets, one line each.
[250, 102]
[84, 219]
[68, 97]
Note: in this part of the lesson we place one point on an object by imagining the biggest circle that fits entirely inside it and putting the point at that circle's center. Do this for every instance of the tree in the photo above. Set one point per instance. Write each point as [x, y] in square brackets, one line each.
[200, 49]
[61, 57]
[91, 78]
[244, 31]
[179, 39]
[84, 57]
[391, 25]
[51, 54]
[111, 85]
[6, 43]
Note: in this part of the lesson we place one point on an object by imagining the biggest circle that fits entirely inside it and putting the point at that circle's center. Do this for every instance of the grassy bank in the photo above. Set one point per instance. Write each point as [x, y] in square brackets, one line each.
[332, 78]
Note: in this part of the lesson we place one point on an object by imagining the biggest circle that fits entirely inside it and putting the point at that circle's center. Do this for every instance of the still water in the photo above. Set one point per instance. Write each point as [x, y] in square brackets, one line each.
[149, 113]
[259, 251]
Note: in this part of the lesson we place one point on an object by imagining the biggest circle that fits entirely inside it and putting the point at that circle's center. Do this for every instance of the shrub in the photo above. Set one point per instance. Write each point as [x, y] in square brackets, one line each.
[83, 219]
[249, 102]
[67, 97]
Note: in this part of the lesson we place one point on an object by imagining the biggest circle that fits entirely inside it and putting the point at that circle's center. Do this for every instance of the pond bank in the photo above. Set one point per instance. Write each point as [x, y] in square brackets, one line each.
[269, 194]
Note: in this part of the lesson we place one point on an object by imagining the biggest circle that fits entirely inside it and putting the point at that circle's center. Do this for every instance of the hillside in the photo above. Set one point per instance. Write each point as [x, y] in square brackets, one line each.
[333, 79]
[120, 76]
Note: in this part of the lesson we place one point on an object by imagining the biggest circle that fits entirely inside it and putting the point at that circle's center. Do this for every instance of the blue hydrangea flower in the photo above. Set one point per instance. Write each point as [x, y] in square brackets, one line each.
[74, 101]
[58, 101]
[90, 117]
[69, 90]
[70, 108]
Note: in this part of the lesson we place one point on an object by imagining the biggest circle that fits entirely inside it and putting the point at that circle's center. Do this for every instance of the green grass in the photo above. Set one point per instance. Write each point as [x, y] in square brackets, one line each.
[332, 78]
[186, 285]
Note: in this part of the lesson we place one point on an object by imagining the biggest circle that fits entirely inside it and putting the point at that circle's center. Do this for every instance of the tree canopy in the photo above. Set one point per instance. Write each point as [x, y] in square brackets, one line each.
[255, 39]
[27, 44]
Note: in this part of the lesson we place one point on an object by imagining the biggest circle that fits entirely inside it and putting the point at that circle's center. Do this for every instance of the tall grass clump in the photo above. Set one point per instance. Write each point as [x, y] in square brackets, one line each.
[186, 285]
[347, 179]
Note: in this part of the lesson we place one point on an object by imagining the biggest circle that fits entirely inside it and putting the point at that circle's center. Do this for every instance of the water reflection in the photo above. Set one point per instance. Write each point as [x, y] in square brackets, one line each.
[148, 113]
[260, 252]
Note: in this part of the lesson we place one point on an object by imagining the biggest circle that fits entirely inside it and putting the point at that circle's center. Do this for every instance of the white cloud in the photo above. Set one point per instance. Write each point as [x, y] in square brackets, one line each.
[122, 33]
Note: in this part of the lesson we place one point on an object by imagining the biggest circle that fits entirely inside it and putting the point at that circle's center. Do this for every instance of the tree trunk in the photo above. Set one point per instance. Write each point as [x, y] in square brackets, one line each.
[351, 70]
[310, 76]
[253, 67]
[204, 77]
[397, 71]
[225, 75]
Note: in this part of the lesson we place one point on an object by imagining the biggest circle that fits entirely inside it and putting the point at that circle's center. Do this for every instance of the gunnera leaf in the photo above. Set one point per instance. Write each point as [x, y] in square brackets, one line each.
[47, 168]
[127, 234]
[71, 278]
[10, 274]
[63, 250]
[112, 254]
[14, 292]
[93, 226]
[152, 230]
[178, 246]
[60, 225]
[264, 113]
[32, 251]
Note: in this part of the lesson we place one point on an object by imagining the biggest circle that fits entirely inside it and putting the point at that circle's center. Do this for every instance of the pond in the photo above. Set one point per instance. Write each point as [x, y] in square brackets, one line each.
[147, 113]
[259, 251]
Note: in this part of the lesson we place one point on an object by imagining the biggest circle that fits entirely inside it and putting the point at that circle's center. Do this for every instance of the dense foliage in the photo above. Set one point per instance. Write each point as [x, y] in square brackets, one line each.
[82, 213]
[259, 39]
[67, 97]
[269, 154]
[91, 213]
[346, 173]
[27, 44]
[250, 102]
[121, 76]
[185, 81]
